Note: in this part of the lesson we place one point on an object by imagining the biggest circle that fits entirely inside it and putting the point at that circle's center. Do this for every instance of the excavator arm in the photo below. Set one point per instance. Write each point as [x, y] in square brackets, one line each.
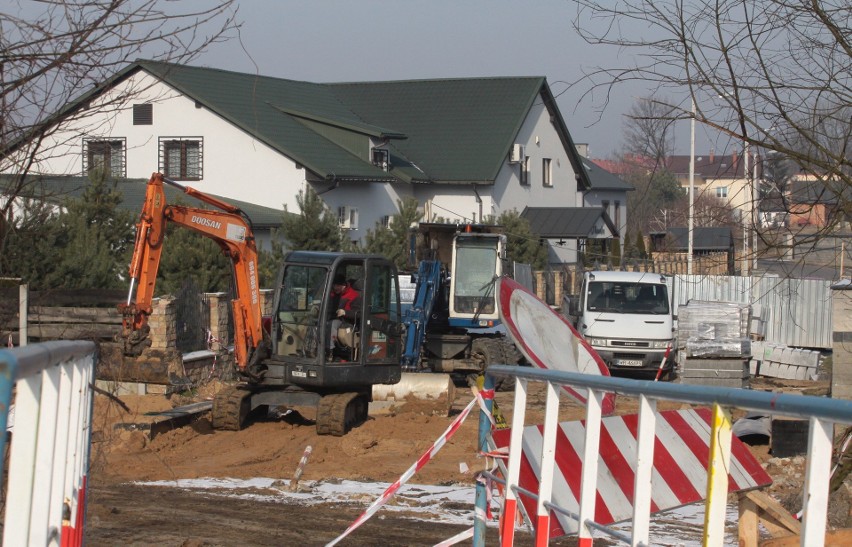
[229, 228]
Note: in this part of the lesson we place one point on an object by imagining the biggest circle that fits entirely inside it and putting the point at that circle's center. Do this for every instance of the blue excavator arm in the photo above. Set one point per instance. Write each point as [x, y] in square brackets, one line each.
[429, 280]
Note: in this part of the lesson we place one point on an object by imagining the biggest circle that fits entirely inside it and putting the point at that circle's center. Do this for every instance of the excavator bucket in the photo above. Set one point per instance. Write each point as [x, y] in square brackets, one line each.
[152, 366]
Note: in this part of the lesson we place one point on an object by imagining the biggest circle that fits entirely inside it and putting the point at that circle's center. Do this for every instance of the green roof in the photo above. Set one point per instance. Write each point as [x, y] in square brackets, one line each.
[57, 189]
[442, 131]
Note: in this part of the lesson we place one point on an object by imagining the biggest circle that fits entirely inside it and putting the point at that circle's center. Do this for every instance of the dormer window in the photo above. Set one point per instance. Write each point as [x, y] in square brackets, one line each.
[380, 158]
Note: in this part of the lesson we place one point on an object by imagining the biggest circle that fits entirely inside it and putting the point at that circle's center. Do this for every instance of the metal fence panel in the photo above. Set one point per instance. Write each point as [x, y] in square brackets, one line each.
[797, 311]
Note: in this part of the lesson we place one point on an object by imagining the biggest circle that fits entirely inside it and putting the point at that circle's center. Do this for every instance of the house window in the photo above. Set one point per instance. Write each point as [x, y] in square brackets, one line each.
[347, 217]
[386, 221]
[525, 171]
[380, 158]
[605, 206]
[107, 156]
[143, 114]
[182, 158]
[546, 175]
[721, 192]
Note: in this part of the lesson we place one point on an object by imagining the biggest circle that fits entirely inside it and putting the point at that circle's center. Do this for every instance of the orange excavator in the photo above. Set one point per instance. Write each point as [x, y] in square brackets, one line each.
[231, 229]
[311, 355]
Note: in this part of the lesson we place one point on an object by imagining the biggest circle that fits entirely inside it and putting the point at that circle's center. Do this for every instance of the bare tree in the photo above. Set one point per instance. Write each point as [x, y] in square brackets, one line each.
[648, 144]
[649, 131]
[54, 51]
[774, 74]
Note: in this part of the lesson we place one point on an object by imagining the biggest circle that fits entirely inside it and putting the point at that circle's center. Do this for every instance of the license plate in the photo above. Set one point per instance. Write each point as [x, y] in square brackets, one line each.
[299, 374]
[628, 362]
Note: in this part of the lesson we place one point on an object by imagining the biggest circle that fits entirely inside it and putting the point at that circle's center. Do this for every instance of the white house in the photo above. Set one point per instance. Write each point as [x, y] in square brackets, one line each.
[466, 149]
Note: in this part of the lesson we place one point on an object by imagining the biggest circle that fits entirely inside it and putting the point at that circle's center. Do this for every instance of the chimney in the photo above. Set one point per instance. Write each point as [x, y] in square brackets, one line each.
[734, 159]
[712, 155]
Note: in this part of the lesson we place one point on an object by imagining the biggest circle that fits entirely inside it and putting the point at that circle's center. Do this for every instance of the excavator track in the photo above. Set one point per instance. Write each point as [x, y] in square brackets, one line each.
[339, 412]
[497, 351]
[231, 407]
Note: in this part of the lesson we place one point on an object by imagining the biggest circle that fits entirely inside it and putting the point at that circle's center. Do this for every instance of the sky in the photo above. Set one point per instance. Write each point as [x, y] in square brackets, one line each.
[370, 40]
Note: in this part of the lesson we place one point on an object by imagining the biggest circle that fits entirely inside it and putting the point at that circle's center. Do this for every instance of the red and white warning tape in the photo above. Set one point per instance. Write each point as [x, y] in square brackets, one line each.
[423, 460]
[467, 534]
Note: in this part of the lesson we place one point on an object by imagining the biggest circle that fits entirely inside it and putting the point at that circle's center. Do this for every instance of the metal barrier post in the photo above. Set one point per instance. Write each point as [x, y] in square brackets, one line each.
[644, 469]
[513, 472]
[589, 480]
[481, 510]
[548, 457]
[7, 381]
[817, 478]
[717, 477]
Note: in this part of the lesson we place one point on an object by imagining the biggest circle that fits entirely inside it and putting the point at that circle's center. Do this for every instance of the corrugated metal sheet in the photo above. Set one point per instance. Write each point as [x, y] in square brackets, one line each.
[797, 311]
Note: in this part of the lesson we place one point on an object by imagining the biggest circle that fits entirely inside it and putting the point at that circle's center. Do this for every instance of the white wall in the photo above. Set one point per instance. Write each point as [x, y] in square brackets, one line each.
[540, 140]
[234, 164]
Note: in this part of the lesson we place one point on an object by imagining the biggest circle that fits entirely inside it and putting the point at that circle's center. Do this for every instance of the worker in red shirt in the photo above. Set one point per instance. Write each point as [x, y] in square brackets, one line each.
[346, 301]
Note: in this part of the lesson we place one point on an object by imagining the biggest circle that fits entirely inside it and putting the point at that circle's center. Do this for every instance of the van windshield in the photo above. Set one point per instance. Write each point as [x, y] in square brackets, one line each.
[606, 296]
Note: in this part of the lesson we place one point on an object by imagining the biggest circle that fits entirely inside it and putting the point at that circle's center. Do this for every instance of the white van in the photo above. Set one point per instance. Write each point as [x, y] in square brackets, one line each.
[627, 318]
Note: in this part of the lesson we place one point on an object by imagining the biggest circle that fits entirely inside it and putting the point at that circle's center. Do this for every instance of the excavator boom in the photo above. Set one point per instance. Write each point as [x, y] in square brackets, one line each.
[230, 229]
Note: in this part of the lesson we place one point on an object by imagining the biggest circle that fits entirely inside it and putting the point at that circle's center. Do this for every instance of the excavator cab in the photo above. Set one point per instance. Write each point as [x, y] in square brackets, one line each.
[321, 356]
[337, 321]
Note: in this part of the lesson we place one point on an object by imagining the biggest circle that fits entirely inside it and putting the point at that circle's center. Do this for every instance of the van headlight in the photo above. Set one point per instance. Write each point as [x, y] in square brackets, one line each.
[596, 341]
[660, 344]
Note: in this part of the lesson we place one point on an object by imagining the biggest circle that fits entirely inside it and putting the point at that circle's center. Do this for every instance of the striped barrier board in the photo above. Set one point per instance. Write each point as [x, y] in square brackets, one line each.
[546, 338]
[679, 477]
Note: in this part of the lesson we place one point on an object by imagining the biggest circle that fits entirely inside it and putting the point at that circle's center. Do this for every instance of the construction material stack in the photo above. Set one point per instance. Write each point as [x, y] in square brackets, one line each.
[713, 344]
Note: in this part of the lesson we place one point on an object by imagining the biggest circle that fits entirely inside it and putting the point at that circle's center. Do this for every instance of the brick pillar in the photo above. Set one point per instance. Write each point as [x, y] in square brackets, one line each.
[219, 304]
[163, 324]
[841, 361]
[540, 286]
[558, 284]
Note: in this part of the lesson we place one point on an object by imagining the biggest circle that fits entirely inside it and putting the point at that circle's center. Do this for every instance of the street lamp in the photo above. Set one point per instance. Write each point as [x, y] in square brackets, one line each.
[691, 191]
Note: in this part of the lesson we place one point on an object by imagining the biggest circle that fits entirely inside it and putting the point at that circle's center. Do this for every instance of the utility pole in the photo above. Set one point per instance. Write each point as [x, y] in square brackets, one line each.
[747, 212]
[691, 191]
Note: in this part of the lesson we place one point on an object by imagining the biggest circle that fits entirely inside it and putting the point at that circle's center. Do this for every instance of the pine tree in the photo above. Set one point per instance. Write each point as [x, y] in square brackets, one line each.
[524, 246]
[615, 252]
[393, 242]
[31, 243]
[315, 228]
[629, 248]
[189, 255]
[99, 239]
[640, 246]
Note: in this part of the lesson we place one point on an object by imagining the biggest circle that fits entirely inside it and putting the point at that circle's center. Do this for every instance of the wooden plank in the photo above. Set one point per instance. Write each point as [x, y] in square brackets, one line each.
[41, 314]
[775, 509]
[747, 532]
[72, 331]
[66, 297]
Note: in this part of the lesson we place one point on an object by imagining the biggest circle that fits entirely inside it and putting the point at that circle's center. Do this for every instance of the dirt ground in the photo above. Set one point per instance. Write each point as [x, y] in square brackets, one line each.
[381, 449]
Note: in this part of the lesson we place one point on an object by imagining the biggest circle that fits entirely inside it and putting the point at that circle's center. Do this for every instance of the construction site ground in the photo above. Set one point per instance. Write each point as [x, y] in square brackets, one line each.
[125, 511]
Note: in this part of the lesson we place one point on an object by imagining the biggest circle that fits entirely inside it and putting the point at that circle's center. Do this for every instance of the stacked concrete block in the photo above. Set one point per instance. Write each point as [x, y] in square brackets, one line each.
[779, 361]
[704, 320]
[713, 344]
[723, 372]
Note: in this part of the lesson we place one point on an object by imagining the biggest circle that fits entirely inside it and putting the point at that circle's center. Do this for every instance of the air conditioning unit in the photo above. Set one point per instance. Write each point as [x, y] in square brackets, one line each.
[517, 153]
